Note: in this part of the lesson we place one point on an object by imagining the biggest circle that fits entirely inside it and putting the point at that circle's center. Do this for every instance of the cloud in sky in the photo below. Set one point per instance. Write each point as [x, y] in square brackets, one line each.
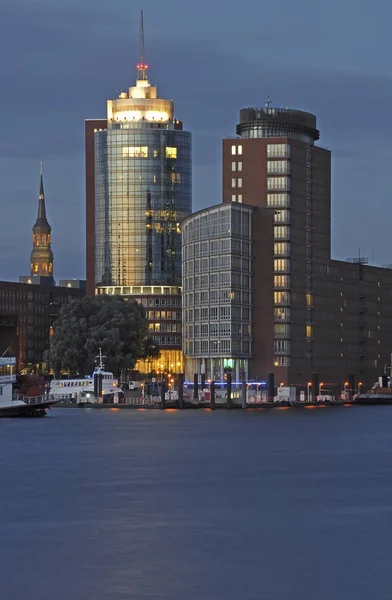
[65, 61]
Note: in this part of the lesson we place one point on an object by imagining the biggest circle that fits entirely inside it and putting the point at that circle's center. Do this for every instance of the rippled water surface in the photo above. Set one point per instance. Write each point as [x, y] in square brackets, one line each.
[194, 505]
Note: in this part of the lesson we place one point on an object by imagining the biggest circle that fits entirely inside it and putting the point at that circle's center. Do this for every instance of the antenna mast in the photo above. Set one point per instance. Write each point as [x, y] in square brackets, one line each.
[142, 66]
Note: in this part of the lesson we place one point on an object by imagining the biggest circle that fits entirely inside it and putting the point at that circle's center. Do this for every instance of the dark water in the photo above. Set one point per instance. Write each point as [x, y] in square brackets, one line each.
[283, 505]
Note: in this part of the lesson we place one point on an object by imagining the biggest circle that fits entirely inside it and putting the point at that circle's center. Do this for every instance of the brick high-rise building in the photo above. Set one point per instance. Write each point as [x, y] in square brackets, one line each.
[310, 314]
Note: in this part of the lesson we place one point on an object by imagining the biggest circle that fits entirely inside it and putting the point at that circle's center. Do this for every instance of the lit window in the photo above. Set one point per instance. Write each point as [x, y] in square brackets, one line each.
[135, 152]
[275, 200]
[282, 264]
[239, 197]
[233, 166]
[309, 300]
[282, 361]
[156, 153]
[239, 149]
[233, 183]
[233, 198]
[281, 281]
[281, 314]
[309, 331]
[278, 183]
[282, 249]
[282, 216]
[171, 152]
[278, 167]
[278, 151]
[234, 150]
[239, 166]
[239, 183]
[282, 298]
[282, 232]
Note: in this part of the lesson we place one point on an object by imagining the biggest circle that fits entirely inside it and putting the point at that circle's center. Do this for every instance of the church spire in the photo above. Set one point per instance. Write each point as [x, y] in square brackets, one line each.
[41, 217]
[42, 256]
[142, 66]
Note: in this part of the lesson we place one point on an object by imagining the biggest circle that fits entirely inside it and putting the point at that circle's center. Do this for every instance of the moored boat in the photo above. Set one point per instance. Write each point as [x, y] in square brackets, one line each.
[18, 407]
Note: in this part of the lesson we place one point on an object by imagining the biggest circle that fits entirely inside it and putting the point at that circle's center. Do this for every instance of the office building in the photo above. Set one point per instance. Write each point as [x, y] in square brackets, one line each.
[138, 190]
[309, 313]
[217, 291]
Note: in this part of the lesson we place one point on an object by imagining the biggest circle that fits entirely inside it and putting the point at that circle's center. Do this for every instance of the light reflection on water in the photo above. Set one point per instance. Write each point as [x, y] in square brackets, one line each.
[271, 505]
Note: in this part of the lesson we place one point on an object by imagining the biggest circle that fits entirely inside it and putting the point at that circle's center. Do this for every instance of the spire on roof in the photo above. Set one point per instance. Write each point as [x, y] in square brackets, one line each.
[142, 65]
[41, 216]
[41, 187]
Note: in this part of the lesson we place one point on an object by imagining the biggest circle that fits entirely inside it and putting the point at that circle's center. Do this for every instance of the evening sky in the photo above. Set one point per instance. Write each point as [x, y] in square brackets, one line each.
[62, 60]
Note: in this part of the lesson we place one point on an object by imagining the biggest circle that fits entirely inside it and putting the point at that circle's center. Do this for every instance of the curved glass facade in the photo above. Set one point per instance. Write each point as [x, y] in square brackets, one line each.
[217, 290]
[143, 176]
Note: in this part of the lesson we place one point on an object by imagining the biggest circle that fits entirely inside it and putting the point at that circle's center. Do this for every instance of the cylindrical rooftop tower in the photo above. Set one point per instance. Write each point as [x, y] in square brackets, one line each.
[271, 122]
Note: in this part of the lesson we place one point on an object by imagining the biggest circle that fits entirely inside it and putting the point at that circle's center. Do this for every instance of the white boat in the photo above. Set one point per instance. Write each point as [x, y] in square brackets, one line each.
[16, 407]
[81, 390]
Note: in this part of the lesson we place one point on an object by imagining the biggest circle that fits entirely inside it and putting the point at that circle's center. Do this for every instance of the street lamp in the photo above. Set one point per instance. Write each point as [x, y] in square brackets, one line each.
[360, 384]
[321, 388]
[309, 388]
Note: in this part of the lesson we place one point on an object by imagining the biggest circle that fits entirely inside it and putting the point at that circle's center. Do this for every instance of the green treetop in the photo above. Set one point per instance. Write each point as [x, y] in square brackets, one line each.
[116, 325]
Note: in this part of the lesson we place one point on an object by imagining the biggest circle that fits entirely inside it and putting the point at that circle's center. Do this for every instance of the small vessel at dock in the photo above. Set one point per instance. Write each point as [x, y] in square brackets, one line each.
[86, 390]
[380, 394]
[20, 406]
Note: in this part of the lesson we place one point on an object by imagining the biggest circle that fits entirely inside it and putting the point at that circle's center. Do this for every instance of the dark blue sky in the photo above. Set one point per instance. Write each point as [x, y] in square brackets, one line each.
[61, 62]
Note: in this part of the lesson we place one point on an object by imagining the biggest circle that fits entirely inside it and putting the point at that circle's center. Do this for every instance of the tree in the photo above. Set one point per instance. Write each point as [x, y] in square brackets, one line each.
[150, 349]
[116, 325]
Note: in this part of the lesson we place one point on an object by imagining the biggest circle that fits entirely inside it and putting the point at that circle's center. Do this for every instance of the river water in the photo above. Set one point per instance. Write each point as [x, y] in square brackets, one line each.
[271, 505]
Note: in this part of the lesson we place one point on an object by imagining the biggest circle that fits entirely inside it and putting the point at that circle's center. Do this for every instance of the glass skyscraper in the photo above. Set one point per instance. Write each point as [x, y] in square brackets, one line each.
[142, 192]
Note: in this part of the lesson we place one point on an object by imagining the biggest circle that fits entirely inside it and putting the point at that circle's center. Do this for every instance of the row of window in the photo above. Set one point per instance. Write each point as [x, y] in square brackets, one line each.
[282, 216]
[219, 296]
[237, 149]
[282, 249]
[279, 183]
[281, 232]
[281, 347]
[282, 265]
[278, 151]
[223, 246]
[205, 265]
[236, 182]
[282, 281]
[158, 315]
[168, 340]
[282, 361]
[281, 330]
[217, 347]
[236, 198]
[214, 329]
[226, 278]
[278, 167]
[143, 152]
[276, 200]
[170, 327]
[220, 313]
[236, 166]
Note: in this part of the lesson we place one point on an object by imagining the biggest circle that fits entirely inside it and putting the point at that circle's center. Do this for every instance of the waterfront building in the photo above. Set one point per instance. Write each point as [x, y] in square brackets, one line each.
[138, 190]
[309, 313]
[217, 291]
